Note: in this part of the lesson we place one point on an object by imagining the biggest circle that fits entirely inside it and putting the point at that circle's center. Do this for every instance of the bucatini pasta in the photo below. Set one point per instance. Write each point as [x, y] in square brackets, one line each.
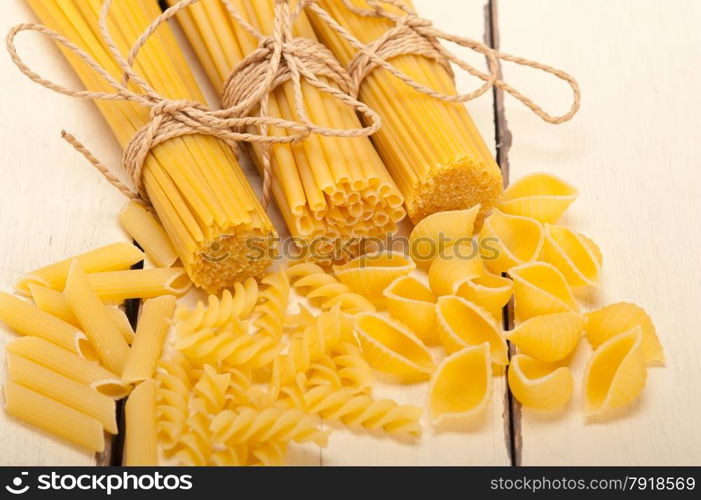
[539, 288]
[550, 337]
[141, 444]
[117, 286]
[577, 257]
[509, 240]
[541, 196]
[538, 385]
[145, 229]
[413, 303]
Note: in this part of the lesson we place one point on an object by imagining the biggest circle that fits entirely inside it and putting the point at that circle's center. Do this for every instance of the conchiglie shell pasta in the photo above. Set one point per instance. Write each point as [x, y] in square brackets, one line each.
[440, 230]
[462, 324]
[489, 291]
[538, 385]
[616, 373]
[456, 264]
[509, 240]
[539, 288]
[613, 319]
[462, 384]
[577, 258]
[391, 348]
[368, 275]
[541, 196]
[550, 337]
[412, 303]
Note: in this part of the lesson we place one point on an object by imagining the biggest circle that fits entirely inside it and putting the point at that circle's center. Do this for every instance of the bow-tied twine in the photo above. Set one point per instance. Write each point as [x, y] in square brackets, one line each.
[412, 34]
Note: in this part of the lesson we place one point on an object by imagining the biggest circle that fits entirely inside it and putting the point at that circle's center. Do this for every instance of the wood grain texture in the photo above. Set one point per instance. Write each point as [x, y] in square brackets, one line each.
[633, 152]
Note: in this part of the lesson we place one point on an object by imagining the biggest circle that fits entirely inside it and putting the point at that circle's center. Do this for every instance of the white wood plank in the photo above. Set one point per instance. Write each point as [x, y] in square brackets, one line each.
[52, 204]
[486, 443]
[633, 152]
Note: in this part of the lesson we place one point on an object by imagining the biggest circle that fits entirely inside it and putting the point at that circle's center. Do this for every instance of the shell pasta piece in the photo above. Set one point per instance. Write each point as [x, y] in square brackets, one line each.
[577, 258]
[617, 318]
[539, 288]
[454, 265]
[550, 337]
[541, 196]
[462, 384]
[509, 240]
[412, 303]
[463, 324]
[391, 348]
[490, 291]
[539, 385]
[616, 373]
[438, 231]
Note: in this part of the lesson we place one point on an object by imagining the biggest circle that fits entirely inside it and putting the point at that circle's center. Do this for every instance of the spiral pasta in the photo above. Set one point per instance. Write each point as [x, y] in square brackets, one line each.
[173, 400]
[575, 256]
[509, 240]
[324, 290]
[541, 196]
[353, 370]
[413, 303]
[539, 385]
[272, 306]
[211, 390]
[195, 446]
[550, 337]
[539, 288]
[220, 311]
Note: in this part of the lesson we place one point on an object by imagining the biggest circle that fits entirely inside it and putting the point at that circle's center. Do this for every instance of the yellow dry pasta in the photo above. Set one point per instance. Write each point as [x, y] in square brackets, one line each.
[195, 446]
[455, 264]
[117, 286]
[462, 384]
[577, 257]
[210, 391]
[352, 368]
[509, 240]
[413, 303]
[616, 374]
[439, 231]
[26, 319]
[391, 348]
[613, 319]
[113, 257]
[369, 274]
[141, 444]
[539, 288]
[538, 385]
[69, 365]
[64, 390]
[173, 400]
[151, 332]
[462, 324]
[489, 291]
[550, 337]
[53, 417]
[272, 306]
[541, 196]
[145, 229]
[90, 312]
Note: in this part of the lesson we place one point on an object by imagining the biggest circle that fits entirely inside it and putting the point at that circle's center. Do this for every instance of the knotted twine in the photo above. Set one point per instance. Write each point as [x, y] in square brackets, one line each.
[279, 58]
[412, 34]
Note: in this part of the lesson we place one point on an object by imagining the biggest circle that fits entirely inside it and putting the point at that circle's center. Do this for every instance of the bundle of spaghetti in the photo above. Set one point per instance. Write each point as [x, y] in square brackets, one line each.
[193, 181]
[325, 187]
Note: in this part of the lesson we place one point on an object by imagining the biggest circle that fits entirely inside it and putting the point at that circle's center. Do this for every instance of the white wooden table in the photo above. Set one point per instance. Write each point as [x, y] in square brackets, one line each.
[632, 151]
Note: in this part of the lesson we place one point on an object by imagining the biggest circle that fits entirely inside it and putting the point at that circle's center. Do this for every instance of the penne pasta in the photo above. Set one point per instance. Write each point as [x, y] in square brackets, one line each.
[145, 229]
[54, 417]
[69, 365]
[117, 286]
[90, 311]
[148, 342]
[64, 390]
[27, 319]
[113, 257]
[140, 447]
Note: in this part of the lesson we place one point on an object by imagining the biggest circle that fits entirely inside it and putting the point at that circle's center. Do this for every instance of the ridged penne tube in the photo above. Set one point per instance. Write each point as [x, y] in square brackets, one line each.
[26, 319]
[56, 304]
[113, 257]
[371, 273]
[509, 240]
[438, 231]
[90, 312]
[577, 257]
[140, 444]
[539, 288]
[54, 417]
[489, 291]
[616, 373]
[614, 319]
[151, 331]
[145, 229]
[462, 384]
[412, 303]
[462, 324]
[454, 265]
[117, 286]
[69, 365]
[64, 390]
[391, 348]
[542, 196]
[550, 337]
[540, 386]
